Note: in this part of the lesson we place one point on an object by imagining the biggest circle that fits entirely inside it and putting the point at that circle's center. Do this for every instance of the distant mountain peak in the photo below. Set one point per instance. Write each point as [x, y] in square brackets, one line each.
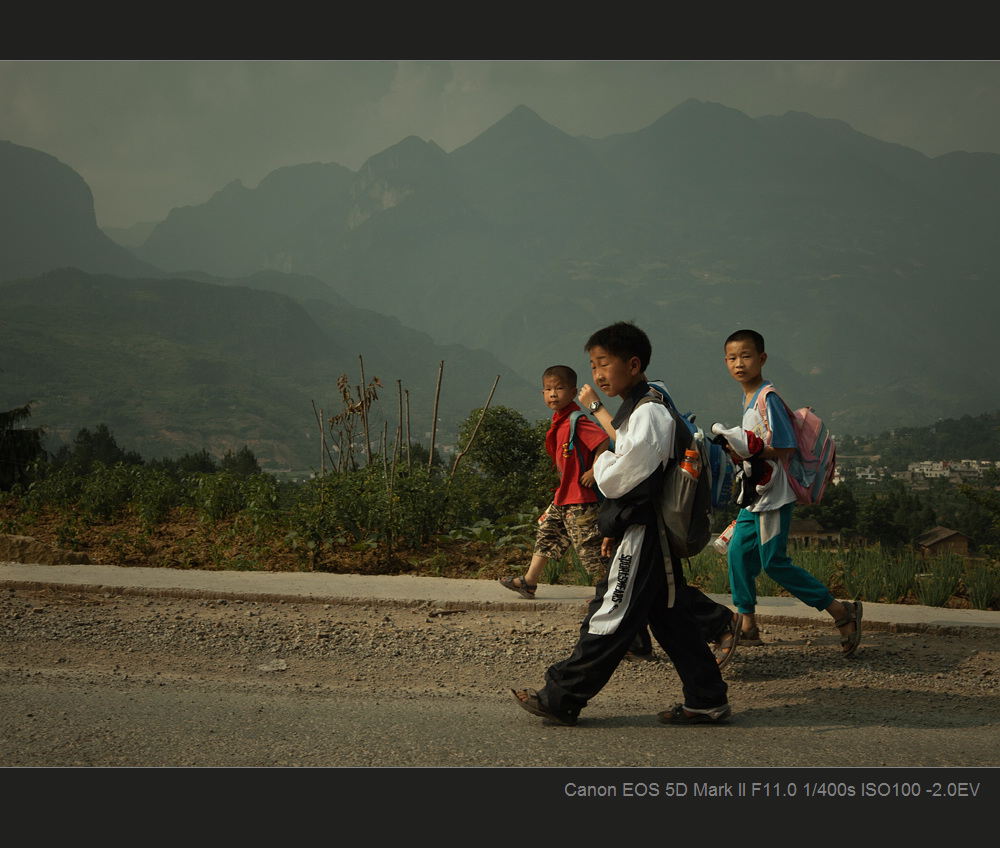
[522, 113]
[47, 219]
[518, 129]
[411, 151]
[387, 178]
[704, 113]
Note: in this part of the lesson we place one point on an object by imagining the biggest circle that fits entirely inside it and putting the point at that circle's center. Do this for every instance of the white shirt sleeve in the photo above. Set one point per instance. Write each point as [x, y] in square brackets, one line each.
[645, 442]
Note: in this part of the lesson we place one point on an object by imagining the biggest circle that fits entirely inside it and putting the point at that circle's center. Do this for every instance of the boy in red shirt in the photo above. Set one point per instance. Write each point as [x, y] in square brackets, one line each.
[571, 519]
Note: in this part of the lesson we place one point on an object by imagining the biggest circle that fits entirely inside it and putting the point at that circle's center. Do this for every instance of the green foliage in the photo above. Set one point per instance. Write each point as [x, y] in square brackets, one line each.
[861, 573]
[820, 564]
[354, 508]
[899, 575]
[838, 510]
[507, 468]
[710, 571]
[569, 570]
[420, 456]
[56, 486]
[155, 492]
[243, 463]
[434, 564]
[985, 499]
[311, 527]
[508, 531]
[107, 491]
[420, 506]
[893, 516]
[200, 462]
[982, 584]
[935, 587]
[967, 438]
[97, 447]
[67, 533]
[225, 494]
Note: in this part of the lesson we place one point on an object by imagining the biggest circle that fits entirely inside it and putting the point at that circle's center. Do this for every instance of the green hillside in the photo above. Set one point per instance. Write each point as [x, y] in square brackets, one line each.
[176, 365]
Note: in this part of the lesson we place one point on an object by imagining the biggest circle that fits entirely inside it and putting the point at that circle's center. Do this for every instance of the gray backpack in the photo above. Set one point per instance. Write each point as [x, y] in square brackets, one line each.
[684, 517]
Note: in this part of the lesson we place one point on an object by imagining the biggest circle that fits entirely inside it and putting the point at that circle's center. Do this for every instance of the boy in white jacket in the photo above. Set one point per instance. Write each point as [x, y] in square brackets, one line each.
[635, 589]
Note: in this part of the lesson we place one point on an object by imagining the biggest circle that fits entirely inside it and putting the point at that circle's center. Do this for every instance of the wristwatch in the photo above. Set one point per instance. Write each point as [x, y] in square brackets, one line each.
[596, 405]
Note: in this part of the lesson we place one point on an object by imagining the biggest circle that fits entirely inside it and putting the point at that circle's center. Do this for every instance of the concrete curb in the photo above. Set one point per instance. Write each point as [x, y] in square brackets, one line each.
[439, 592]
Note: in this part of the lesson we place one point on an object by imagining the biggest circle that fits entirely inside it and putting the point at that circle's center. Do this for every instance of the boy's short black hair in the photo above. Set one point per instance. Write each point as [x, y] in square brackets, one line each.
[624, 340]
[752, 336]
[564, 372]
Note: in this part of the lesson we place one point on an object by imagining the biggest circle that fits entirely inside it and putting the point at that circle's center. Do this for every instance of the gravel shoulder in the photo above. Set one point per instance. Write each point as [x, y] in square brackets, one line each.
[941, 683]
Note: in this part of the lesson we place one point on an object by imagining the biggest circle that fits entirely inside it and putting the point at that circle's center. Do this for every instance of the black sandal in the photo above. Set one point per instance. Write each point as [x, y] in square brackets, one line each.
[525, 590]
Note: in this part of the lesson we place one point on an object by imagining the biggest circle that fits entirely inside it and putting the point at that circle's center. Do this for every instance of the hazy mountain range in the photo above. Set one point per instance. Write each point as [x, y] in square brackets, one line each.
[870, 269]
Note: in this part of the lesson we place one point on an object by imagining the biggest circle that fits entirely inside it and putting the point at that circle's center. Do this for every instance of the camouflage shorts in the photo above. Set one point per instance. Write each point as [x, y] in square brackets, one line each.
[576, 525]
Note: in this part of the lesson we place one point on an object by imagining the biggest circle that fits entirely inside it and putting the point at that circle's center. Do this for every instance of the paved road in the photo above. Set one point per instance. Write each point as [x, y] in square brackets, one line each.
[206, 703]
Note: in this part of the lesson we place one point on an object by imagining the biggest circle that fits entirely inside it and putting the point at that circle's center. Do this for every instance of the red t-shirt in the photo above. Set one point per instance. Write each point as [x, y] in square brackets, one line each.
[589, 436]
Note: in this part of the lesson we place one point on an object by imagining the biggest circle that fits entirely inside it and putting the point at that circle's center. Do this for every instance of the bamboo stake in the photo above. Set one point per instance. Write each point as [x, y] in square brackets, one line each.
[324, 448]
[399, 424]
[434, 420]
[363, 394]
[409, 459]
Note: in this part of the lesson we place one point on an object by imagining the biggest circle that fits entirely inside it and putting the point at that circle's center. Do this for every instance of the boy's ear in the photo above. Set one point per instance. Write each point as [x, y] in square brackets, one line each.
[634, 366]
[763, 358]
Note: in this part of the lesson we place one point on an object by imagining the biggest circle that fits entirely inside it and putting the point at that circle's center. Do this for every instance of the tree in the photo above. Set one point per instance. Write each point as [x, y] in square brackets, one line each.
[894, 516]
[422, 458]
[987, 498]
[507, 465]
[243, 463]
[99, 446]
[838, 510]
[201, 462]
[20, 446]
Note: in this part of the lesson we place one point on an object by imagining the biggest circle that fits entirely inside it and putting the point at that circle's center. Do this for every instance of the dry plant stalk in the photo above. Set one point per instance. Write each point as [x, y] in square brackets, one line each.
[472, 438]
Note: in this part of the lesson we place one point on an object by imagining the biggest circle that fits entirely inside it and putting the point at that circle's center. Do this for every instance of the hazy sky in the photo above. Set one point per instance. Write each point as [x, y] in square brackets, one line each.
[149, 136]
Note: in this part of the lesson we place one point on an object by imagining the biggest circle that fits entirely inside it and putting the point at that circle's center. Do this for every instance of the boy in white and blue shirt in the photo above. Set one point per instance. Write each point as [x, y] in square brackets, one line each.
[761, 446]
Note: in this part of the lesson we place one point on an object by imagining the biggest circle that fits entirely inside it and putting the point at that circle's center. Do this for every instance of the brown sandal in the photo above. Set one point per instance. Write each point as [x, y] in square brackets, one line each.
[728, 640]
[534, 706]
[849, 644]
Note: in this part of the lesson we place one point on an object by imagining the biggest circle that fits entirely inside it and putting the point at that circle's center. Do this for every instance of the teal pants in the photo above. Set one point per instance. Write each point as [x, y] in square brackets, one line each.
[760, 542]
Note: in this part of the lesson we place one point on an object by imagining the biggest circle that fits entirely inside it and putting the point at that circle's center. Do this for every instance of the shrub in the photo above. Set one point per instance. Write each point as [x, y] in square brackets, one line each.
[214, 496]
[982, 584]
[935, 587]
[107, 490]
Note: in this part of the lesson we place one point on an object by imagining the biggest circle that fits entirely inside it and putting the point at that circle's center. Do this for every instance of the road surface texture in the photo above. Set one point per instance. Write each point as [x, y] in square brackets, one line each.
[92, 679]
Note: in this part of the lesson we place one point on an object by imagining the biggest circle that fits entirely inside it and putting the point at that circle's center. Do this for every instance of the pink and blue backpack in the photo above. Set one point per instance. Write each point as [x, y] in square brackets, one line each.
[814, 462]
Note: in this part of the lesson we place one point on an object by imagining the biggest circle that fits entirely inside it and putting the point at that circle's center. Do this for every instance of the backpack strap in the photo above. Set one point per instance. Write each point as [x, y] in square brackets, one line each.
[574, 417]
[762, 394]
[681, 432]
[761, 404]
[663, 393]
[572, 444]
